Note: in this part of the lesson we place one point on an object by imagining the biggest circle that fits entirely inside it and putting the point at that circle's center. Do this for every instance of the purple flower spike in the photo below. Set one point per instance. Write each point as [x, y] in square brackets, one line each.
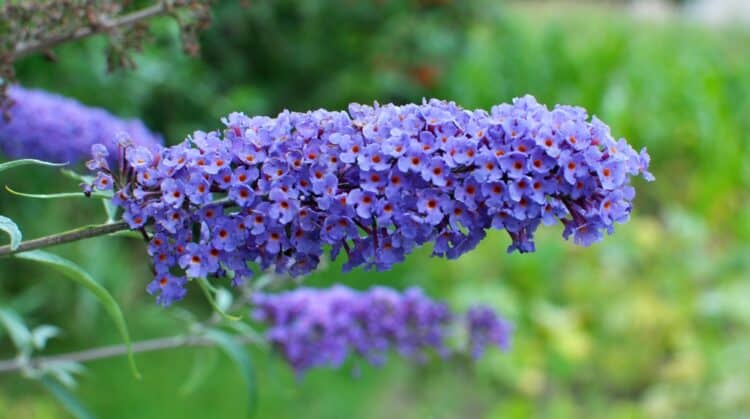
[374, 183]
[322, 327]
[50, 127]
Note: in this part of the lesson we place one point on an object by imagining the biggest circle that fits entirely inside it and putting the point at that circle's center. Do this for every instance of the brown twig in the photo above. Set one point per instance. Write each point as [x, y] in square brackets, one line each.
[65, 237]
[23, 49]
[158, 344]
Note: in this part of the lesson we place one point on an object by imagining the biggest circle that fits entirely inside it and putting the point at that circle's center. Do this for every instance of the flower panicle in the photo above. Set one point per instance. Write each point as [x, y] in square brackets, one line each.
[48, 126]
[312, 327]
[374, 183]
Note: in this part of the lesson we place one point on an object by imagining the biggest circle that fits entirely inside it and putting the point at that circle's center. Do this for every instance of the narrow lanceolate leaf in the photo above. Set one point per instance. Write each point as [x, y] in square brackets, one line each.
[78, 194]
[204, 361]
[127, 233]
[77, 176]
[41, 334]
[7, 225]
[110, 209]
[208, 291]
[24, 162]
[238, 353]
[17, 330]
[74, 272]
[67, 399]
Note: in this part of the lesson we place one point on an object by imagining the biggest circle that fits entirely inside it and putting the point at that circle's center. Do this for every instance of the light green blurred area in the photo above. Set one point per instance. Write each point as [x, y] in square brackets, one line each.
[653, 322]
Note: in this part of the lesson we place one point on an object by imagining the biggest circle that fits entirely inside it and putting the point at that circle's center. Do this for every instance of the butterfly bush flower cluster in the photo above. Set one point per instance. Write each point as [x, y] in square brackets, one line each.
[374, 183]
[321, 327]
[47, 126]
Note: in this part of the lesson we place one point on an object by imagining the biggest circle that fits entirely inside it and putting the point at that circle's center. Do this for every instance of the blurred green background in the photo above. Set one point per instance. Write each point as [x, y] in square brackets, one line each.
[651, 323]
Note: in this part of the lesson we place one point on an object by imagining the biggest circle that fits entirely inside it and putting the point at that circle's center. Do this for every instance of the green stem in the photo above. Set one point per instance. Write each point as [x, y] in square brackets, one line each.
[158, 344]
[66, 237]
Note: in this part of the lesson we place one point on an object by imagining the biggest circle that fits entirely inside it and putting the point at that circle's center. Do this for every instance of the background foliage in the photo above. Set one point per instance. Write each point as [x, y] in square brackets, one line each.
[650, 323]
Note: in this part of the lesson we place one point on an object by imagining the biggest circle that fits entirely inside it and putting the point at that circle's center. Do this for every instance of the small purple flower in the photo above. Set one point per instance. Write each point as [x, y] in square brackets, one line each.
[496, 194]
[352, 150]
[168, 288]
[576, 134]
[242, 195]
[488, 169]
[362, 201]
[520, 188]
[195, 261]
[374, 158]
[275, 240]
[413, 161]
[514, 164]
[225, 235]
[436, 172]
[573, 165]
[172, 192]
[430, 204]
[372, 181]
[284, 207]
[611, 174]
[103, 181]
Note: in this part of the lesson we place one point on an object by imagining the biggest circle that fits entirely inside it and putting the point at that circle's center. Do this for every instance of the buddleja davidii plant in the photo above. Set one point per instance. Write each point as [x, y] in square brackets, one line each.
[31, 27]
[372, 183]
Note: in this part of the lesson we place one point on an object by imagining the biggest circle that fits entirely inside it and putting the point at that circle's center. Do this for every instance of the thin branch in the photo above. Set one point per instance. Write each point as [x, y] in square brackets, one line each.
[158, 344]
[66, 237]
[26, 48]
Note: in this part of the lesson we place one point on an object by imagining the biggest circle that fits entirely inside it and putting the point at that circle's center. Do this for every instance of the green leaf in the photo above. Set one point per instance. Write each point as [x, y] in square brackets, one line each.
[17, 330]
[59, 195]
[74, 272]
[110, 209]
[7, 225]
[207, 290]
[41, 334]
[246, 331]
[127, 233]
[62, 371]
[24, 162]
[77, 176]
[204, 361]
[238, 354]
[69, 401]
[223, 298]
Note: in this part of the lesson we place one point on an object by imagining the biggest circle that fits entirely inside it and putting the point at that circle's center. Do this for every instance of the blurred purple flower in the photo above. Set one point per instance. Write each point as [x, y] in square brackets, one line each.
[486, 329]
[322, 327]
[51, 127]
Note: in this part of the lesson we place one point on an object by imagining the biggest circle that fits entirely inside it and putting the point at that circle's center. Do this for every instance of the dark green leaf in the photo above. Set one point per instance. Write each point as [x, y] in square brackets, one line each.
[17, 330]
[23, 162]
[77, 176]
[74, 272]
[69, 401]
[203, 364]
[59, 195]
[239, 355]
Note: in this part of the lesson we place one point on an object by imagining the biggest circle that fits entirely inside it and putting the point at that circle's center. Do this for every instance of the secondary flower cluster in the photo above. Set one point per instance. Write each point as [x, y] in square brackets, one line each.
[321, 327]
[375, 183]
[47, 126]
